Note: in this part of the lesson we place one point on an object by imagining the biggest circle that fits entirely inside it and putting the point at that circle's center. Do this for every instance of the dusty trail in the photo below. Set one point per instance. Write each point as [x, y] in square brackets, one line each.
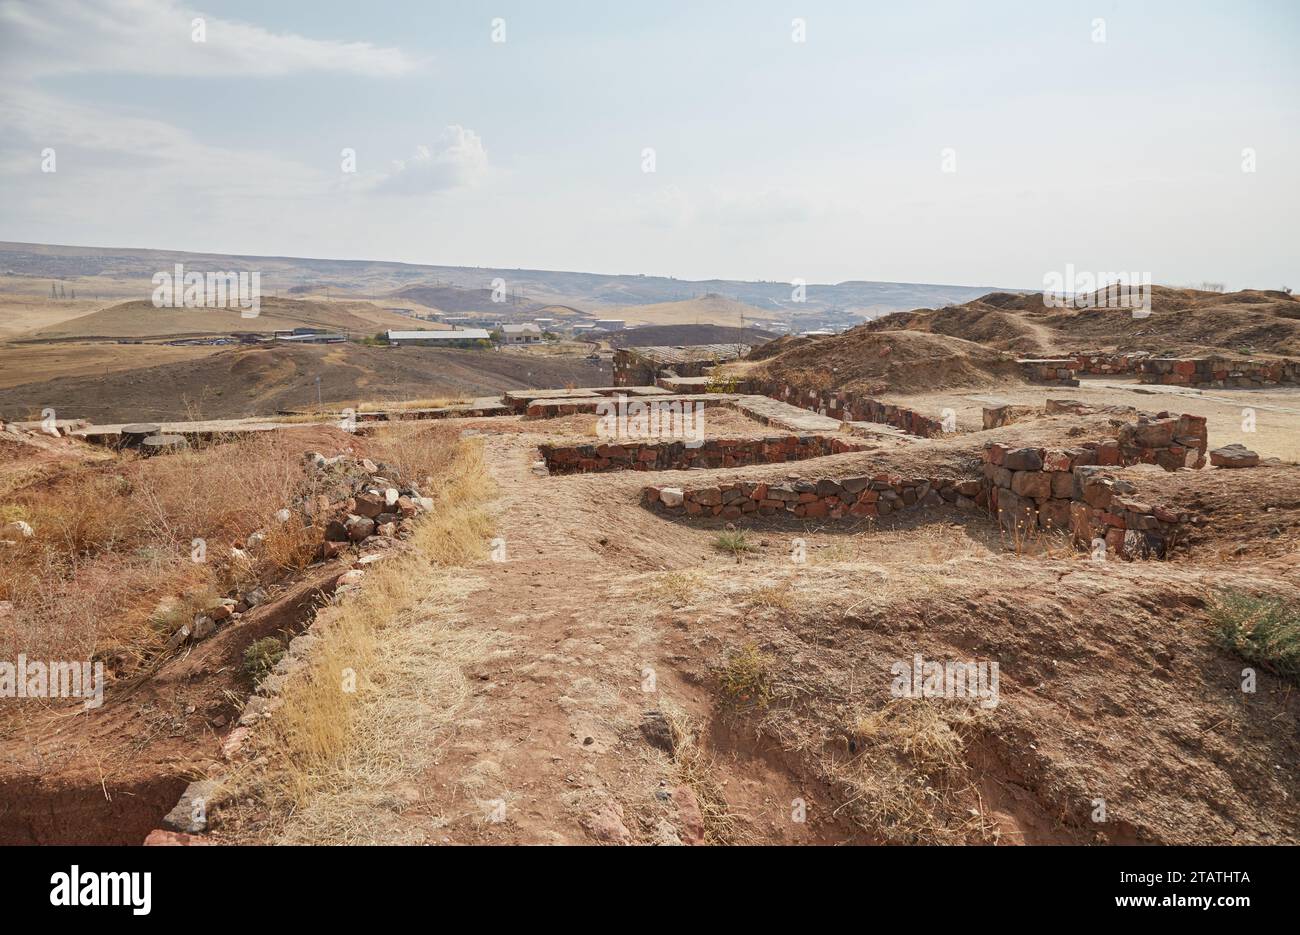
[554, 749]
[543, 753]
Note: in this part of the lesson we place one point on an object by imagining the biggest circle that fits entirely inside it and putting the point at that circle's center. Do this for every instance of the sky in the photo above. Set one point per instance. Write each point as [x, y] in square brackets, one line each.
[984, 143]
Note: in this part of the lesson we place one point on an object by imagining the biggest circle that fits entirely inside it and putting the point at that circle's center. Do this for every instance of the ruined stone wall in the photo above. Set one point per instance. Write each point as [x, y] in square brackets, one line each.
[1192, 371]
[1067, 490]
[1049, 371]
[848, 407]
[679, 455]
[859, 496]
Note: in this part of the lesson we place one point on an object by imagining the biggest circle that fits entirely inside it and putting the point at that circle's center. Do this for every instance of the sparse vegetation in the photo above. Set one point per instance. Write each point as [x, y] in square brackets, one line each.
[1262, 630]
[745, 678]
[908, 779]
[732, 541]
[261, 657]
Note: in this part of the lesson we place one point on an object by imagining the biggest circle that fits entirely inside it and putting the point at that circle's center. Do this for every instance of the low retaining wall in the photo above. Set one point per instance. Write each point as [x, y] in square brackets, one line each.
[1192, 371]
[849, 407]
[1049, 371]
[859, 496]
[680, 456]
[1031, 489]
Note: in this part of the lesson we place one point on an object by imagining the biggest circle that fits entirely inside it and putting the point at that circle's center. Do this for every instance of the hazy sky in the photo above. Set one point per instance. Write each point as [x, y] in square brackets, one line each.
[774, 159]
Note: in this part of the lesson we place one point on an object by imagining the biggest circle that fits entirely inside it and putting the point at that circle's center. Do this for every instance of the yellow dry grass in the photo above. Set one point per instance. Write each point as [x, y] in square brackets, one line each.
[367, 708]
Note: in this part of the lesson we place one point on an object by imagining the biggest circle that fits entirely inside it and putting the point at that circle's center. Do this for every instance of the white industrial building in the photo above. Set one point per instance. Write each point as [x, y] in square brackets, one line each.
[437, 338]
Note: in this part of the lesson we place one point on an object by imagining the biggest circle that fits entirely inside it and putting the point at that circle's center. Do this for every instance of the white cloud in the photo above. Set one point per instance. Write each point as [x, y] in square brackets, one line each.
[457, 161]
[154, 37]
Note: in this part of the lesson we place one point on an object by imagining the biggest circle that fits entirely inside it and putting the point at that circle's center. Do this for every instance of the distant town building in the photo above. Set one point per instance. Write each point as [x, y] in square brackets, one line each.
[610, 324]
[526, 333]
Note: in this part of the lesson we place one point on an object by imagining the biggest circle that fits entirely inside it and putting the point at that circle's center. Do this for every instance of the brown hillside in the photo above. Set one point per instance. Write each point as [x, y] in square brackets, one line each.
[140, 319]
[256, 381]
[1183, 322]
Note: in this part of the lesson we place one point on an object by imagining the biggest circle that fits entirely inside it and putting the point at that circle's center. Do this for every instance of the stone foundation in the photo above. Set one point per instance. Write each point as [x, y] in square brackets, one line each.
[680, 456]
[1049, 371]
[1192, 371]
[828, 498]
[1066, 490]
[849, 407]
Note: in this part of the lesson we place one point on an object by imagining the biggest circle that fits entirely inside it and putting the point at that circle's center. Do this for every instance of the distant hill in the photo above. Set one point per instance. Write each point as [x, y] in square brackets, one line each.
[674, 335]
[705, 310]
[1183, 322]
[595, 291]
[141, 319]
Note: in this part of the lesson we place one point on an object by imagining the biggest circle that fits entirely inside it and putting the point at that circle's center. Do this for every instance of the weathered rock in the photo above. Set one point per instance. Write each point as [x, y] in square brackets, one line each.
[1233, 456]
[18, 529]
[190, 813]
[1023, 459]
[671, 496]
[358, 527]
[160, 837]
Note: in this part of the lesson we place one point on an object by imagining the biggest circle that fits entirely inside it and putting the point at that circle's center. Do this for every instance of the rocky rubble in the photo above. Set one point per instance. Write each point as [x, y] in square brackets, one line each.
[355, 505]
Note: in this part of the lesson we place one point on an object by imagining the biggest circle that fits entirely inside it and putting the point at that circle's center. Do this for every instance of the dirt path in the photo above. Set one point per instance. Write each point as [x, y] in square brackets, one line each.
[559, 748]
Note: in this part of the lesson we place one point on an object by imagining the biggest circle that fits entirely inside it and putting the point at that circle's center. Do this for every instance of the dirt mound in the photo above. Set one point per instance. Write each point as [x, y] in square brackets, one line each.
[257, 381]
[675, 335]
[875, 362]
[1183, 322]
[779, 346]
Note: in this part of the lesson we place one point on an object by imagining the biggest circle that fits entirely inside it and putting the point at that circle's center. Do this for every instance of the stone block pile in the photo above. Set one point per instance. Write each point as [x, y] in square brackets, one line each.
[355, 505]
[681, 456]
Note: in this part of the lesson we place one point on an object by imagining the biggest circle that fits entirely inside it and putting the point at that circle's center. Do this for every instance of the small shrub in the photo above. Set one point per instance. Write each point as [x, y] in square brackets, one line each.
[745, 677]
[261, 657]
[1263, 630]
[732, 541]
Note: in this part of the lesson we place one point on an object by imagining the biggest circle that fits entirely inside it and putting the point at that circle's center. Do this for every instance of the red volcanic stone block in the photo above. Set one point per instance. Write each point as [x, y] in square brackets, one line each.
[1034, 484]
[772, 504]
[863, 508]
[760, 492]
[816, 509]
[1056, 460]
[1108, 453]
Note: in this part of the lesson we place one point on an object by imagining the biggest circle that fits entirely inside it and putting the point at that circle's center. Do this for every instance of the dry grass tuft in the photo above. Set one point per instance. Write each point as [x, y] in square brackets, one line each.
[745, 678]
[910, 781]
[695, 769]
